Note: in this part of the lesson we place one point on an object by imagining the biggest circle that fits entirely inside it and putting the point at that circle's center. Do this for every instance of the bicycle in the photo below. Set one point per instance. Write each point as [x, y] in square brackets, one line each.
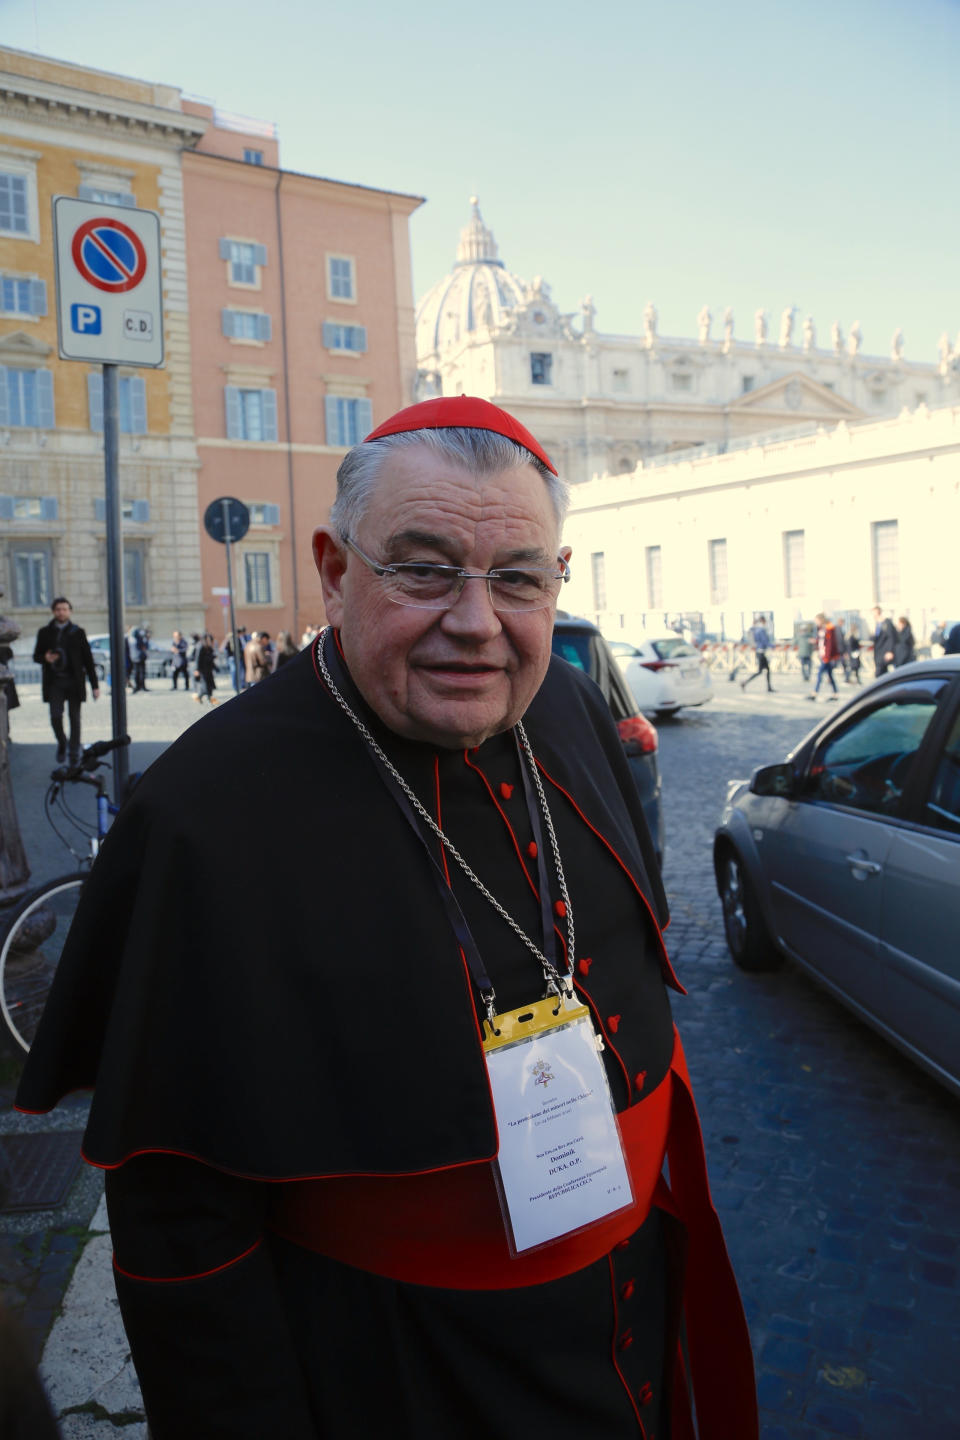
[38, 925]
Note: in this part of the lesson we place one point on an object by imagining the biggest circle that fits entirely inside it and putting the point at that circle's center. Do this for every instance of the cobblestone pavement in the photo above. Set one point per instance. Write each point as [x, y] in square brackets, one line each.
[835, 1163]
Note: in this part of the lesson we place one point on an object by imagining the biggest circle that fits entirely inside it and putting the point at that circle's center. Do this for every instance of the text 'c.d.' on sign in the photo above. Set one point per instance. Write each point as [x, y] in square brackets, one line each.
[109, 299]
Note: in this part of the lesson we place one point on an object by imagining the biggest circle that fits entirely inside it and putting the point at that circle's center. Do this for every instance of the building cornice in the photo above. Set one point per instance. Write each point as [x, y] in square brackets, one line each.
[27, 98]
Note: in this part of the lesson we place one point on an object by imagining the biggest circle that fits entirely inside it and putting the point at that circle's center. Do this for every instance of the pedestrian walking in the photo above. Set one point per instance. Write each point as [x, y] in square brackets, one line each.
[884, 638]
[843, 656]
[178, 653]
[256, 658]
[853, 648]
[286, 649]
[951, 645]
[63, 651]
[806, 635]
[827, 653]
[904, 644]
[335, 1150]
[205, 667]
[141, 649]
[761, 642]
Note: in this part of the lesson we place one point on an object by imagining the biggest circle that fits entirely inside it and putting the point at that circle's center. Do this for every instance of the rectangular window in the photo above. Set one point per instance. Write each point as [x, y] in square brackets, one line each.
[261, 514]
[245, 325]
[256, 575]
[22, 297]
[131, 403]
[101, 196]
[621, 380]
[654, 577]
[345, 337]
[134, 590]
[886, 561]
[253, 157]
[348, 420]
[14, 212]
[31, 577]
[541, 368]
[340, 277]
[244, 259]
[681, 381]
[137, 511]
[26, 398]
[33, 507]
[794, 564]
[747, 383]
[598, 574]
[719, 589]
[251, 414]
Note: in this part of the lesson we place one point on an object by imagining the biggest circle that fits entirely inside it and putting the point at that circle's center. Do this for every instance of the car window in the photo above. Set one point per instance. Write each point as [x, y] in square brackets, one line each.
[574, 647]
[865, 764]
[671, 649]
[942, 807]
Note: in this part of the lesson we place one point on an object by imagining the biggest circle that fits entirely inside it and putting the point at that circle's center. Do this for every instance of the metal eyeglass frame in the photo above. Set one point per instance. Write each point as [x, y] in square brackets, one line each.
[455, 572]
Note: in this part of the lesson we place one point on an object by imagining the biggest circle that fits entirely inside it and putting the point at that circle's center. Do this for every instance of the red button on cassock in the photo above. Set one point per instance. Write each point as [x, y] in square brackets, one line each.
[584, 965]
[560, 909]
[645, 1393]
[506, 790]
[613, 1023]
[532, 849]
[626, 1290]
[640, 1079]
[625, 1341]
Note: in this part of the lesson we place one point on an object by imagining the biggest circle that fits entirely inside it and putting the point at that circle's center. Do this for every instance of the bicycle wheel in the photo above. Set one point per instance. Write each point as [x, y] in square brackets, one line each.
[30, 953]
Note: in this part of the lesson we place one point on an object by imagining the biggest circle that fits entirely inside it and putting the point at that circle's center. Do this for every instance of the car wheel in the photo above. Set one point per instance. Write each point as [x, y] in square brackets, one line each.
[748, 938]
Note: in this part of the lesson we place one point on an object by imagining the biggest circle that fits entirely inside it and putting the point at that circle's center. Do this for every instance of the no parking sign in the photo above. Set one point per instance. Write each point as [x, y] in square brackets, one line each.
[109, 301]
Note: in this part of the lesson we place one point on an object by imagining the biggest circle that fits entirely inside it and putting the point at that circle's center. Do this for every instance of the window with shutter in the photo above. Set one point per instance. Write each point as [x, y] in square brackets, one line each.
[271, 514]
[340, 278]
[348, 419]
[269, 404]
[99, 508]
[6, 507]
[45, 419]
[137, 388]
[231, 395]
[140, 512]
[102, 196]
[49, 507]
[4, 397]
[265, 330]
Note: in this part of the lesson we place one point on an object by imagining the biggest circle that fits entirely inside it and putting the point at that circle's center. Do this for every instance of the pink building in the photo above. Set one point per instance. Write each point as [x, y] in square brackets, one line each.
[302, 339]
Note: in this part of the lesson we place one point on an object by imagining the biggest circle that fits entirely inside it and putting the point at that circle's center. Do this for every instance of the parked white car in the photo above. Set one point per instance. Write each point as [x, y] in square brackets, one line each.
[664, 672]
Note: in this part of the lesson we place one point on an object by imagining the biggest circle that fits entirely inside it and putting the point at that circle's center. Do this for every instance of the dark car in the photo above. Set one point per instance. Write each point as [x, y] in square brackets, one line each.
[846, 857]
[580, 643]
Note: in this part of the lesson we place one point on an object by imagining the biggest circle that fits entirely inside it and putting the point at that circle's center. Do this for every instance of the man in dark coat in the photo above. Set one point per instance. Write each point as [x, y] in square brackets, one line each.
[299, 1107]
[63, 650]
[884, 641]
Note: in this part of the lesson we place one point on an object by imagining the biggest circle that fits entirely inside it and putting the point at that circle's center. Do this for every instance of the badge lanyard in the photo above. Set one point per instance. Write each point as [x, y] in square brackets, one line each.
[560, 1164]
[556, 983]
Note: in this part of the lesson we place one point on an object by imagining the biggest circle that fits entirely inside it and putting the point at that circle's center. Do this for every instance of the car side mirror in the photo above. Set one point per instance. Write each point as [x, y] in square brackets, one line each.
[774, 780]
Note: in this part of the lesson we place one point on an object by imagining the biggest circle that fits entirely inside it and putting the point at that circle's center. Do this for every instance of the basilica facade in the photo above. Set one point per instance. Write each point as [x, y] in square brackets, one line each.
[602, 403]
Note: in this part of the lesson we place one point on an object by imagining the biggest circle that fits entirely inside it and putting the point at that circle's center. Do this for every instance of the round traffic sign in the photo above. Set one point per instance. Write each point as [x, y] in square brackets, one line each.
[109, 255]
[226, 519]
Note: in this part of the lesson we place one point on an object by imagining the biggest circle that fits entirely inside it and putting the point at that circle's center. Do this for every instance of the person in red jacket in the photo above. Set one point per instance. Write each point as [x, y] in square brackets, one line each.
[829, 652]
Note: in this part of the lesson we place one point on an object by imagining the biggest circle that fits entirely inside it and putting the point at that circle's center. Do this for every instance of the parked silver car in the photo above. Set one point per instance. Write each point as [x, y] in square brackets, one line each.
[847, 857]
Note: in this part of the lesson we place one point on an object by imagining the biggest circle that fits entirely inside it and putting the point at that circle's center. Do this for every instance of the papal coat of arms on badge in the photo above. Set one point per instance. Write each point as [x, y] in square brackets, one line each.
[541, 1072]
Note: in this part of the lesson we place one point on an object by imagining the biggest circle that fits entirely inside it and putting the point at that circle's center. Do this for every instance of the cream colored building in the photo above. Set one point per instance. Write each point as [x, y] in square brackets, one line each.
[836, 520]
[65, 130]
[601, 402]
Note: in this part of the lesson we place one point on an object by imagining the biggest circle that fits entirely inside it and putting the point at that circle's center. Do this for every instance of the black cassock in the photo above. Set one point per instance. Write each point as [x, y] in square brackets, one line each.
[291, 1097]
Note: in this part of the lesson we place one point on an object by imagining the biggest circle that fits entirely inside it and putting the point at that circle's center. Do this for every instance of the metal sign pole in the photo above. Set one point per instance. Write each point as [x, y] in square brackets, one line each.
[118, 671]
[237, 652]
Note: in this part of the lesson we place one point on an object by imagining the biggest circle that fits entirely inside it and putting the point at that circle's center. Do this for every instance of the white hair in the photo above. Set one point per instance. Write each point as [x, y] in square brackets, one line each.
[483, 452]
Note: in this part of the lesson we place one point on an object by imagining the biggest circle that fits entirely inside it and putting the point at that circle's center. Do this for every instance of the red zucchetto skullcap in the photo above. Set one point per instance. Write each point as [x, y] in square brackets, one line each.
[449, 410]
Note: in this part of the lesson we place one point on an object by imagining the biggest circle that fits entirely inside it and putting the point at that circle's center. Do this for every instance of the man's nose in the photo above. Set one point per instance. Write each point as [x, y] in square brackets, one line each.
[472, 614]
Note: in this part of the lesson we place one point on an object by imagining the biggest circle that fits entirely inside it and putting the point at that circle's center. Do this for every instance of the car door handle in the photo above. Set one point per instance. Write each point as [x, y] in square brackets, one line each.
[859, 862]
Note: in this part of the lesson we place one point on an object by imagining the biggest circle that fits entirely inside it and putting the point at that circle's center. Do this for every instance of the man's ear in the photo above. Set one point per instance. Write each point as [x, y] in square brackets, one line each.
[331, 562]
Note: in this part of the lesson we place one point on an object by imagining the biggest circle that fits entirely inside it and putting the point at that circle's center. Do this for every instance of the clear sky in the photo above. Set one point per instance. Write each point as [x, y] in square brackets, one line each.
[688, 152]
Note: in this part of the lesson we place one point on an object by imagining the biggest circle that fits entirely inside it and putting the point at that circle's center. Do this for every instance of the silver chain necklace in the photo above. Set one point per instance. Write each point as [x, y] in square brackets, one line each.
[553, 980]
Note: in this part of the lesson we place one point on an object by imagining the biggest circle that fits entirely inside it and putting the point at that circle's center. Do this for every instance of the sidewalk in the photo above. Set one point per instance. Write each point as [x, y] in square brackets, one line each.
[55, 1261]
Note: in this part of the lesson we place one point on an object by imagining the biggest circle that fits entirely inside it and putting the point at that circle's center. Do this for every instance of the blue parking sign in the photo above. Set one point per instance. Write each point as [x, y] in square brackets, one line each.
[85, 319]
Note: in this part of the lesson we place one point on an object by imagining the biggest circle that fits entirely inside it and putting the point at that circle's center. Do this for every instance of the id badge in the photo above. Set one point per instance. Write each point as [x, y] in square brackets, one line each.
[561, 1163]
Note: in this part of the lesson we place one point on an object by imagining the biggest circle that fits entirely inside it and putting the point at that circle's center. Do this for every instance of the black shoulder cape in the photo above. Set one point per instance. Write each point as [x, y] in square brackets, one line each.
[237, 978]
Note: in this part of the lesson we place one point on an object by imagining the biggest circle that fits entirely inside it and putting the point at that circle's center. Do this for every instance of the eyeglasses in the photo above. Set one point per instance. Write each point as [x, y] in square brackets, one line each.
[437, 587]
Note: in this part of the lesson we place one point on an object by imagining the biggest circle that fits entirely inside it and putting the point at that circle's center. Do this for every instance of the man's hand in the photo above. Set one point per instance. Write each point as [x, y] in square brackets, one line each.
[96, 693]
[52, 656]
